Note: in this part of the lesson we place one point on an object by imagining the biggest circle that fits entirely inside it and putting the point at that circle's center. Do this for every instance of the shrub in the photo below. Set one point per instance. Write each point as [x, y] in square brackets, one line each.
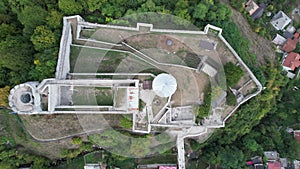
[233, 73]
[126, 123]
[76, 140]
[230, 99]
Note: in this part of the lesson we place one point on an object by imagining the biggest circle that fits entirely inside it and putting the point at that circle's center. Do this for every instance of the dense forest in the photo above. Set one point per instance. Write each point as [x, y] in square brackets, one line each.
[30, 32]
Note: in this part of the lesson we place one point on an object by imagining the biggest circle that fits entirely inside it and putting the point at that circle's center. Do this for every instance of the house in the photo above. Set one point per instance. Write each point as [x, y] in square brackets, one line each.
[259, 12]
[280, 20]
[279, 40]
[291, 61]
[271, 155]
[251, 7]
[291, 43]
[274, 165]
[255, 11]
[297, 135]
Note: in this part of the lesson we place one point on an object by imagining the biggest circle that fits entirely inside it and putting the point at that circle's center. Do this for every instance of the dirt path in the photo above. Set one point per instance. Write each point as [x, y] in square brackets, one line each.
[261, 47]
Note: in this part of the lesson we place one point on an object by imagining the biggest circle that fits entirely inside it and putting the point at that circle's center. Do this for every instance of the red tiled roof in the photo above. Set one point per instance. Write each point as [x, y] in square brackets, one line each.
[291, 44]
[292, 60]
[274, 165]
[297, 135]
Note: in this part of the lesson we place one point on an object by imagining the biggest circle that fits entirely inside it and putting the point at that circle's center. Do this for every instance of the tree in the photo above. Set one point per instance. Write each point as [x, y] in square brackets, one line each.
[251, 144]
[200, 11]
[4, 76]
[148, 6]
[233, 73]
[7, 30]
[111, 11]
[70, 7]
[45, 64]
[223, 12]
[43, 38]
[94, 5]
[15, 54]
[181, 10]
[54, 19]
[31, 17]
[231, 157]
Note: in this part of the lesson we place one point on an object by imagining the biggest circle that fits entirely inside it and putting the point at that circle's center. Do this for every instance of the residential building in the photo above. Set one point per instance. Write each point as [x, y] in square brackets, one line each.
[280, 20]
[255, 11]
[271, 155]
[291, 43]
[251, 7]
[291, 61]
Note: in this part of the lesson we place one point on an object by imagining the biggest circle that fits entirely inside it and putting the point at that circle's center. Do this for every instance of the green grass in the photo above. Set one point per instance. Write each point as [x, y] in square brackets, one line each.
[105, 96]
[93, 96]
[126, 122]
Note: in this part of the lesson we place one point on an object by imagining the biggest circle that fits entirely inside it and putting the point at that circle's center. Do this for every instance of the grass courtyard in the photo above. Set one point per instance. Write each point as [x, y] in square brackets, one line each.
[102, 96]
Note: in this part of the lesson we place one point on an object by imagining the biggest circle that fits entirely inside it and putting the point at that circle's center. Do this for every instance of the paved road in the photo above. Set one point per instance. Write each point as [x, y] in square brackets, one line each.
[181, 153]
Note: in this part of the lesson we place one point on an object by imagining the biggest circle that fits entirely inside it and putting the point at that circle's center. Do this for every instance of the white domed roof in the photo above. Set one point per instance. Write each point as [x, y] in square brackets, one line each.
[164, 85]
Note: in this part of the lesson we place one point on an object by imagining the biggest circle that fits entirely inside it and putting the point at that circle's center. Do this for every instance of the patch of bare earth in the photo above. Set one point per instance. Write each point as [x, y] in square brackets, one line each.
[261, 47]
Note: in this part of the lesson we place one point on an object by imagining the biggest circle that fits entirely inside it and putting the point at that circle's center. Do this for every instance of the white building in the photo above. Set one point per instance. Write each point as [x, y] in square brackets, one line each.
[279, 40]
[280, 20]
